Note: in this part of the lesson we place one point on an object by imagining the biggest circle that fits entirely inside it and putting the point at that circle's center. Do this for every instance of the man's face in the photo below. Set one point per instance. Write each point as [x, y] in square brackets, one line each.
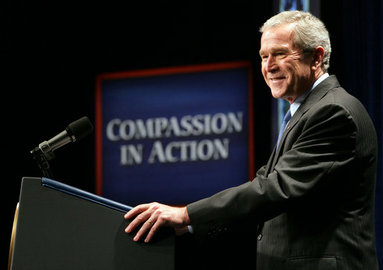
[286, 70]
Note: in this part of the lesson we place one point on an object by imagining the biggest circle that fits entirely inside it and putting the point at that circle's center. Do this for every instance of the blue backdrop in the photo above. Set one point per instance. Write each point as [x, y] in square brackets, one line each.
[357, 61]
[363, 40]
[195, 158]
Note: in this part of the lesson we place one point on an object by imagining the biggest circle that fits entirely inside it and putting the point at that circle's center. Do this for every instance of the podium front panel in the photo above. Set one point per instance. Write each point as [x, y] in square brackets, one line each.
[57, 230]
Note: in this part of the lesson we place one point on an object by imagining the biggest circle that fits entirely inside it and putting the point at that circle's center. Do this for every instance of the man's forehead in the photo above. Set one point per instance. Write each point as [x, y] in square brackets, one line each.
[283, 32]
[279, 36]
[274, 48]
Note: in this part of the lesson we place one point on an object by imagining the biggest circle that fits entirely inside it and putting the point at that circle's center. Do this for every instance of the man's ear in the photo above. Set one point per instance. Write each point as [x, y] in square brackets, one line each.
[318, 56]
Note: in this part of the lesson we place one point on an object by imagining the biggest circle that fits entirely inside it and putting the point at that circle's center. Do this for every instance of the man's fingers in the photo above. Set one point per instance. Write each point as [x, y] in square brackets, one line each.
[152, 216]
[153, 230]
[142, 231]
[149, 228]
[136, 210]
[141, 218]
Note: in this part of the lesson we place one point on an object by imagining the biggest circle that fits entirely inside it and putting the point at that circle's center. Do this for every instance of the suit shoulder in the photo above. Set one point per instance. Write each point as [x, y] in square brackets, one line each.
[340, 98]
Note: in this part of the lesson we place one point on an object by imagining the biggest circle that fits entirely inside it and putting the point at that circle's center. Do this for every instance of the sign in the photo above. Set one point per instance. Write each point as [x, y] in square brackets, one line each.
[174, 135]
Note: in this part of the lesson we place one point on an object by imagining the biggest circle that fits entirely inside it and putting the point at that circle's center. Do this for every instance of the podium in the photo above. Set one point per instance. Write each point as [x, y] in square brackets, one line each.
[60, 227]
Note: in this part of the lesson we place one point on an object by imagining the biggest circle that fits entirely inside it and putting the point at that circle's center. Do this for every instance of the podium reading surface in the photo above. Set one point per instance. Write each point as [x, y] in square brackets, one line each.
[60, 227]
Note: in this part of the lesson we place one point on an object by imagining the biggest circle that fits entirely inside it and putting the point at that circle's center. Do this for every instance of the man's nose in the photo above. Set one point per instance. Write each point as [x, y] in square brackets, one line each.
[271, 64]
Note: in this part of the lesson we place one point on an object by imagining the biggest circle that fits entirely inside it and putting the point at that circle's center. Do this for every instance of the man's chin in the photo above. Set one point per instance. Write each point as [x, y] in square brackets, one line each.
[277, 93]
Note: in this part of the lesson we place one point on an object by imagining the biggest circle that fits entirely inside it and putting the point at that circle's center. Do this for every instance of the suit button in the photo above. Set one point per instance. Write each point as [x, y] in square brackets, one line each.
[259, 238]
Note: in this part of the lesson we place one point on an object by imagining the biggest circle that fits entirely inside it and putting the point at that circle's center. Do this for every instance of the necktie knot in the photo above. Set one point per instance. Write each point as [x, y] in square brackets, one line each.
[286, 119]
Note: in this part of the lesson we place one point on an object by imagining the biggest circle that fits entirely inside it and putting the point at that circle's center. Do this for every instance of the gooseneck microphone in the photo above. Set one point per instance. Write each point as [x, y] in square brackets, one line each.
[74, 132]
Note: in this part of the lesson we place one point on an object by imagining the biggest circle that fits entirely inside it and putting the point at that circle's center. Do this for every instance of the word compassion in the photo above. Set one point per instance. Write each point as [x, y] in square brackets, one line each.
[162, 132]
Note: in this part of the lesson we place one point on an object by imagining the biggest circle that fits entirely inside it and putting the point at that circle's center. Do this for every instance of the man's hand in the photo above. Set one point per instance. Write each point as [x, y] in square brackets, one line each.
[152, 216]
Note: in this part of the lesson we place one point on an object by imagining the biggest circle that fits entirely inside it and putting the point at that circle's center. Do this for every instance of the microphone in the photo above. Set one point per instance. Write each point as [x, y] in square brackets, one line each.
[75, 131]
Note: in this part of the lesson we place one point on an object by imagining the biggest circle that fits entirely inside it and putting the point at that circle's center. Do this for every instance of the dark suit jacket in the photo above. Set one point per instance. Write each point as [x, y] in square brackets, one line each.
[312, 205]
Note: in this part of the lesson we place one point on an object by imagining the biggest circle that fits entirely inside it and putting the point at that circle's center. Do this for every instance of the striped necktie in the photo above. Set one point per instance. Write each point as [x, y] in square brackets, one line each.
[286, 119]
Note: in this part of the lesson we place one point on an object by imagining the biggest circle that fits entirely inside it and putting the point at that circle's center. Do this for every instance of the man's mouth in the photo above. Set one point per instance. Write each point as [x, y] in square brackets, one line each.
[277, 79]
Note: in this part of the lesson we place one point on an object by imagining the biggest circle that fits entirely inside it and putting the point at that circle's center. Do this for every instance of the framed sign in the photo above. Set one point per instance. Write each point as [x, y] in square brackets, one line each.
[174, 135]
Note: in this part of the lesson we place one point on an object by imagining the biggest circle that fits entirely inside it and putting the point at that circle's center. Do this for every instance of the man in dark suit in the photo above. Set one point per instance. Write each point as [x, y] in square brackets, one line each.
[312, 204]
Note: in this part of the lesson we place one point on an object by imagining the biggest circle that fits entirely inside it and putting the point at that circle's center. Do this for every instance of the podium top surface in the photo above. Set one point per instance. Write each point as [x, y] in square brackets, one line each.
[46, 182]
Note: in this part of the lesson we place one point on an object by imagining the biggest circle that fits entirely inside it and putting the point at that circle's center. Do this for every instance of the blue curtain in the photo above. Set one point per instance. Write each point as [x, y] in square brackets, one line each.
[356, 32]
[363, 76]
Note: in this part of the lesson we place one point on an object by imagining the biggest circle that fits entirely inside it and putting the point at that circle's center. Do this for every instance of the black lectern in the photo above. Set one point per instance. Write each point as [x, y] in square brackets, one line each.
[61, 227]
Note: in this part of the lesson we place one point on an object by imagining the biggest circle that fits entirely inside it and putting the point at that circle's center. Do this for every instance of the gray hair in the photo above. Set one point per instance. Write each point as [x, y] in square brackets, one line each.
[309, 31]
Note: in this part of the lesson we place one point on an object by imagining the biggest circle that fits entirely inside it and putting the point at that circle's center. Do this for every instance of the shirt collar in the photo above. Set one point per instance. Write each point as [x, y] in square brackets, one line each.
[294, 106]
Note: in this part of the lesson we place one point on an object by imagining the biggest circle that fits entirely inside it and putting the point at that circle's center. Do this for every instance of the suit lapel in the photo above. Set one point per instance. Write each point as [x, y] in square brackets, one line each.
[316, 94]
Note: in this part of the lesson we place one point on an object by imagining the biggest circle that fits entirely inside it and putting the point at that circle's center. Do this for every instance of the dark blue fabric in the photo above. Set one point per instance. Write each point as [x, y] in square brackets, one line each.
[363, 77]
[286, 119]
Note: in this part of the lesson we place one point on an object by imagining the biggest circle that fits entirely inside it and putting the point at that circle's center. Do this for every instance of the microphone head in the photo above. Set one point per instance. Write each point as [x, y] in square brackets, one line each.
[79, 129]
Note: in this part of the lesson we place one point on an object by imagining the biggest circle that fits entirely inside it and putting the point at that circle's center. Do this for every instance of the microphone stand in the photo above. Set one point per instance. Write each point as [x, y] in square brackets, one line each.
[42, 162]
[44, 152]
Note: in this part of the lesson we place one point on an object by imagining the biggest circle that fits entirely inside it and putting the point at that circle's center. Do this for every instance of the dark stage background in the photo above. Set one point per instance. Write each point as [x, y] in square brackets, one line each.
[51, 52]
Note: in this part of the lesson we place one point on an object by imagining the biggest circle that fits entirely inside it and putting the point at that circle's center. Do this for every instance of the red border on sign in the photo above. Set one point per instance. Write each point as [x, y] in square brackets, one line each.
[161, 72]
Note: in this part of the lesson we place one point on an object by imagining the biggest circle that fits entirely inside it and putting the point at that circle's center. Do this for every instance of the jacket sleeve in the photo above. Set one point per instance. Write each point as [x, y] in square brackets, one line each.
[318, 149]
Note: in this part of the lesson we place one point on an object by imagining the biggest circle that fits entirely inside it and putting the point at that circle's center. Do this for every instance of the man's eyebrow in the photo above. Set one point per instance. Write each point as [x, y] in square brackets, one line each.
[273, 50]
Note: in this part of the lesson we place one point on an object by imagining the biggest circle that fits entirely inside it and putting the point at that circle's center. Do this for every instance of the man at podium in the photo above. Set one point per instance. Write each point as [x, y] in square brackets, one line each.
[312, 205]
